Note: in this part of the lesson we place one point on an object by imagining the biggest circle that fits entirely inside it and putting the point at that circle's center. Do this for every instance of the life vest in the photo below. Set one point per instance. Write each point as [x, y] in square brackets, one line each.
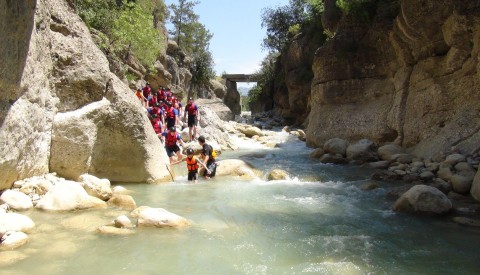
[161, 95]
[146, 91]
[192, 164]
[157, 127]
[170, 112]
[192, 109]
[171, 140]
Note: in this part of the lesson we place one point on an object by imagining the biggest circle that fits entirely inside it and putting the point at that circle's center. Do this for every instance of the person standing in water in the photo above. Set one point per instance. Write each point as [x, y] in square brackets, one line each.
[192, 166]
[208, 158]
[171, 137]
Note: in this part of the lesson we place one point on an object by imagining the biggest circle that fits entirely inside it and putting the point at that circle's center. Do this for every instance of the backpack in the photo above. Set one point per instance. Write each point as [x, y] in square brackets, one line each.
[214, 153]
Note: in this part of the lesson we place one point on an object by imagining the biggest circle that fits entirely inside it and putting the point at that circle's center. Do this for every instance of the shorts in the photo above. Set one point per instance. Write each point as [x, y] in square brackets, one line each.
[192, 121]
[170, 122]
[213, 169]
[193, 175]
[172, 150]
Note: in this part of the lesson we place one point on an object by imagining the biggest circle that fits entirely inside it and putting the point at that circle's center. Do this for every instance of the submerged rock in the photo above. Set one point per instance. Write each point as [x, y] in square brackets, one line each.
[277, 174]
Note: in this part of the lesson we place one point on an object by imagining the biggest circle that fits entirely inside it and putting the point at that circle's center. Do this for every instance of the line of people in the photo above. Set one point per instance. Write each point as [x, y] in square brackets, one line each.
[164, 111]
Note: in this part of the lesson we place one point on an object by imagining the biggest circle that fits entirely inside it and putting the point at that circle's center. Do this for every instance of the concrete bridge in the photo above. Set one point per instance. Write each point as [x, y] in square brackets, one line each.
[232, 99]
[240, 77]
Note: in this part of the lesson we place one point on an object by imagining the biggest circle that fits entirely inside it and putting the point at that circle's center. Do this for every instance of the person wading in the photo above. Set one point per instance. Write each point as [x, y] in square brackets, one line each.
[171, 139]
[208, 158]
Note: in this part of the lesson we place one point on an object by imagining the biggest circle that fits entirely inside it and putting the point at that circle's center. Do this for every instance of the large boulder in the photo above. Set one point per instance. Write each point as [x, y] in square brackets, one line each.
[423, 199]
[387, 152]
[68, 195]
[16, 200]
[63, 110]
[158, 217]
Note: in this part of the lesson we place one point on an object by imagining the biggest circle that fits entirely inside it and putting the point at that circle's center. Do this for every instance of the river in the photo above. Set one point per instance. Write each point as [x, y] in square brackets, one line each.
[318, 221]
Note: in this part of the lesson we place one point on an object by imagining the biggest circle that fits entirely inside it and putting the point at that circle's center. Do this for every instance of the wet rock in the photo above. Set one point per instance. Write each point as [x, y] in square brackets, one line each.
[385, 175]
[68, 195]
[15, 222]
[235, 167]
[277, 174]
[475, 190]
[336, 146]
[467, 221]
[461, 184]
[364, 151]
[158, 217]
[427, 176]
[397, 192]
[442, 185]
[123, 201]
[12, 240]
[383, 164]
[423, 199]
[123, 222]
[333, 158]
[445, 174]
[317, 153]
[402, 158]
[432, 166]
[99, 188]
[386, 152]
[453, 159]
[369, 186]
[16, 200]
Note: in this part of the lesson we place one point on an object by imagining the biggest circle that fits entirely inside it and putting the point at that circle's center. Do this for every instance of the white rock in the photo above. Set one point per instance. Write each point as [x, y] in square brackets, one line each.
[15, 222]
[123, 222]
[16, 200]
[13, 239]
[99, 188]
[158, 217]
[68, 195]
[336, 146]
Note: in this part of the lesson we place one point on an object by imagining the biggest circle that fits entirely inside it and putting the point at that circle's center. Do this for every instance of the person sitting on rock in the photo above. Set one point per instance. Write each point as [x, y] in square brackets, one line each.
[193, 117]
[171, 138]
[208, 158]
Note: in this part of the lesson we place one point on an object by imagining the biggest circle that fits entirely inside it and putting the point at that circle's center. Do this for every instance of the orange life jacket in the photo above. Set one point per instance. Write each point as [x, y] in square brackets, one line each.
[192, 164]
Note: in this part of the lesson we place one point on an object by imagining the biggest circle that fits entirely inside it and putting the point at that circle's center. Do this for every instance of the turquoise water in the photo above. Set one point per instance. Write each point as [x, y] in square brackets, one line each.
[316, 222]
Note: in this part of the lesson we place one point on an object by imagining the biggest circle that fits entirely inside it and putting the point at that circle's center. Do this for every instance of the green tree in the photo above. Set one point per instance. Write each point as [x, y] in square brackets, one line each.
[133, 31]
[183, 19]
[284, 22]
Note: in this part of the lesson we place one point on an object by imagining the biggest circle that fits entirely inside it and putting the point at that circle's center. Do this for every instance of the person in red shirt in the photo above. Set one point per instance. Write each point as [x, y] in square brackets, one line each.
[171, 139]
[193, 117]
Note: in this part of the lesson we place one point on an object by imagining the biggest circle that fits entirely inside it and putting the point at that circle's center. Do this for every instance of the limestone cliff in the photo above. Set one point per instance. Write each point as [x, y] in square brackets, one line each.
[62, 110]
[410, 74]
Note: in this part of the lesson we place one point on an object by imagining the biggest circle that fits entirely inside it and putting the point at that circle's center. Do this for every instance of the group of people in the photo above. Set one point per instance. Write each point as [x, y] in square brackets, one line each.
[164, 111]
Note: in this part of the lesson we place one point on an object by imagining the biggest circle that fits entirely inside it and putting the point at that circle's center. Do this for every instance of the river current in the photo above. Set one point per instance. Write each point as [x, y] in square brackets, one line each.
[318, 221]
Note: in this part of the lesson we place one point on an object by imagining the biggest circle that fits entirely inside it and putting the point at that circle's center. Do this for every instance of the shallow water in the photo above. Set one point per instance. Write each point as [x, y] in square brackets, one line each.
[317, 222]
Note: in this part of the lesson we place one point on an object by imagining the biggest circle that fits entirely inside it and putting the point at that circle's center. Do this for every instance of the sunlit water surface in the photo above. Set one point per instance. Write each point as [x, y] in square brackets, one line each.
[316, 222]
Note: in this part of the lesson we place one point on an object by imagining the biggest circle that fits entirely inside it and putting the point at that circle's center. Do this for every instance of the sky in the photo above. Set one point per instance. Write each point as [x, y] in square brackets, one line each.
[237, 31]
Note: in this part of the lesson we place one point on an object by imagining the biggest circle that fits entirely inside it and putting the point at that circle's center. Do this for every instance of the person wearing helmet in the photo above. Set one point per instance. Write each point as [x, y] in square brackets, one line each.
[171, 139]
[193, 117]
[192, 165]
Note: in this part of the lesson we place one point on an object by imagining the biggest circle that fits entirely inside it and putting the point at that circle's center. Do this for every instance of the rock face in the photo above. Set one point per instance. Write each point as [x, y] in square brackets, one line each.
[63, 110]
[409, 74]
